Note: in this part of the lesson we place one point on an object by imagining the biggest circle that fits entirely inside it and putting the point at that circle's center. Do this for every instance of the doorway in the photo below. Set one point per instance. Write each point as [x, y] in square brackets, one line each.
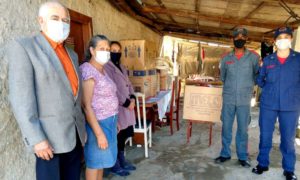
[80, 33]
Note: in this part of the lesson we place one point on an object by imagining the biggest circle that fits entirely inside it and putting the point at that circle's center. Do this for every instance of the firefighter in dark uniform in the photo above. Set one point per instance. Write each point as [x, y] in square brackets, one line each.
[238, 72]
[279, 78]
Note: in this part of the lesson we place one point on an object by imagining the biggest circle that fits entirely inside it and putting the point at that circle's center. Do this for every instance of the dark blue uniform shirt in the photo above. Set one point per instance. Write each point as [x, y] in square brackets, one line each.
[280, 83]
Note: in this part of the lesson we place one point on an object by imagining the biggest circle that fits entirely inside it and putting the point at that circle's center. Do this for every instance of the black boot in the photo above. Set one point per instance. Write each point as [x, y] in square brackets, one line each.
[259, 169]
[289, 175]
[125, 164]
[118, 170]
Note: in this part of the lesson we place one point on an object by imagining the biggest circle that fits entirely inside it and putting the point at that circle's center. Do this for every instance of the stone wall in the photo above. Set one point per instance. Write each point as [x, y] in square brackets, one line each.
[19, 18]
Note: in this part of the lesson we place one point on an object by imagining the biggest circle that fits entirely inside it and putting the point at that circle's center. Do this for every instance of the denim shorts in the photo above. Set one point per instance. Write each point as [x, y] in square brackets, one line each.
[96, 158]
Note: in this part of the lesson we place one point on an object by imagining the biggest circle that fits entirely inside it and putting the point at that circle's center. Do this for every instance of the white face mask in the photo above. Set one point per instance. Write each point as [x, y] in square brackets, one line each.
[57, 31]
[102, 57]
[283, 44]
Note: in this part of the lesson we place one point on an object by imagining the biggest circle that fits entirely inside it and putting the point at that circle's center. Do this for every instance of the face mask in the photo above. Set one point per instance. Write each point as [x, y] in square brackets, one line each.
[239, 43]
[57, 31]
[115, 57]
[283, 44]
[102, 57]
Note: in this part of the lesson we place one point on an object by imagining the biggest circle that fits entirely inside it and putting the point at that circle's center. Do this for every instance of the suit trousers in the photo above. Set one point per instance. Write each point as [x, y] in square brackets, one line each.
[64, 166]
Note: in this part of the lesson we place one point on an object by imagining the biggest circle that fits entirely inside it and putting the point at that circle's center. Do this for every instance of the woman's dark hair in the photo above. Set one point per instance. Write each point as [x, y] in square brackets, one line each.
[115, 42]
[93, 43]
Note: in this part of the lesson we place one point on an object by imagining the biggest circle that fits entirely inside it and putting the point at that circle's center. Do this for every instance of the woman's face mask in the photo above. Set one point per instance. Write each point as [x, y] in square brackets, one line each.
[102, 57]
[283, 44]
[57, 31]
[115, 57]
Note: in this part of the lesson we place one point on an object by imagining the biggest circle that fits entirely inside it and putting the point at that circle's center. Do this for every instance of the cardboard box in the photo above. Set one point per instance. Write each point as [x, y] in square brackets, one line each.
[157, 82]
[202, 103]
[141, 82]
[163, 83]
[138, 54]
[153, 77]
[165, 80]
[144, 81]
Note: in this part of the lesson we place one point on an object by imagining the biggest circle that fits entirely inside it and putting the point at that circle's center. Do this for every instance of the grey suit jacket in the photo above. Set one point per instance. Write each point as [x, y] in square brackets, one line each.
[41, 96]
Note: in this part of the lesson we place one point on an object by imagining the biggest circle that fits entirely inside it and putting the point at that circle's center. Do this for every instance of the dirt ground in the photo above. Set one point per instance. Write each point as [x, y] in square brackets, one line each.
[172, 158]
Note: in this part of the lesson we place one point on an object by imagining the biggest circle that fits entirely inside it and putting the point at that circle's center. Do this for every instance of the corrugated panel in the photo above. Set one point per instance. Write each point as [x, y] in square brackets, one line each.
[209, 23]
[184, 20]
[163, 17]
[218, 4]
[211, 10]
[180, 4]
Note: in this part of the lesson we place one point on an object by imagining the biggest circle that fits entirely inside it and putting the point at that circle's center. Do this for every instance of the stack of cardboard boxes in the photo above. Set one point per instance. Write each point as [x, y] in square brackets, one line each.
[144, 81]
[138, 54]
[138, 57]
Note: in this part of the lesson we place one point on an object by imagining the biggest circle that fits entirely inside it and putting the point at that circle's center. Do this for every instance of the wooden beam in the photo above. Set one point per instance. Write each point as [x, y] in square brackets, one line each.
[197, 9]
[137, 8]
[223, 41]
[152, 25]
[194, 15]
[214, 35]
[115, 4]
[297, 2]
[257, 8]
[206, 29]
[122, 4]
[161, 4]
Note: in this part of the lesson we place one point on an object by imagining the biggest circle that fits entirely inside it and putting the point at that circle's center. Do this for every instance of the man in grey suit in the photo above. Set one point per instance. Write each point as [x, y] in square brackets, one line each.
[45, 95]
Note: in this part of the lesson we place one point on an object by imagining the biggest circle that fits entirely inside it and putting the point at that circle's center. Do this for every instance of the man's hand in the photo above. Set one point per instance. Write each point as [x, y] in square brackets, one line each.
[44, 150]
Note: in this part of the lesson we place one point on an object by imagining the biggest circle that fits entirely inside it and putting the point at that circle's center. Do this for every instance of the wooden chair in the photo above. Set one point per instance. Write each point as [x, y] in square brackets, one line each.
[177, 101]
[170, 114]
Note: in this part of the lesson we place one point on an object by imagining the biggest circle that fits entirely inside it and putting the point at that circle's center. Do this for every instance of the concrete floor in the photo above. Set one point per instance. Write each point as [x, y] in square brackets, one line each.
[171, 158]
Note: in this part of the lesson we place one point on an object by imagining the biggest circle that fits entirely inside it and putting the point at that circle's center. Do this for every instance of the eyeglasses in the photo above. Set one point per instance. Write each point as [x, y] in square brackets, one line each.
[57, 18]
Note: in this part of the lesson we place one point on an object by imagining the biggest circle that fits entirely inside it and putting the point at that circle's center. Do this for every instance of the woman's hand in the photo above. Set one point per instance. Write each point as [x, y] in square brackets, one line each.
[118, 127]
[102, 141]
[132, 104]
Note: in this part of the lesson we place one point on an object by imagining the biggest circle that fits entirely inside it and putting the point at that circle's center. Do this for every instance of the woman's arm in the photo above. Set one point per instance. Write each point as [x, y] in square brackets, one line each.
[88, 90]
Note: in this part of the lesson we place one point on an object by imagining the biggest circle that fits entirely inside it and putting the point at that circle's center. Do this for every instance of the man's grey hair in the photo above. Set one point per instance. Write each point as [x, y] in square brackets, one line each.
[43, 10]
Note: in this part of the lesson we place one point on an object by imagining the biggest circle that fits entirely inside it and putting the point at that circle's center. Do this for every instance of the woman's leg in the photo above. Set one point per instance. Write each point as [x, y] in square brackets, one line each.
[288, 121]
[100, 174]
[91, 174]
[122, 137]
[267, 120]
